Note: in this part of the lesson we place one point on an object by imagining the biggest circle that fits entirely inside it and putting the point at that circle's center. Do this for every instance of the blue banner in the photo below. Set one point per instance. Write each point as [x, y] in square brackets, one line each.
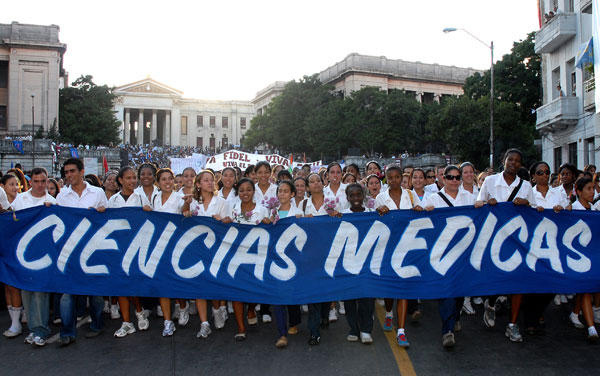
[448, 252]
[19, 146]
[74, 153]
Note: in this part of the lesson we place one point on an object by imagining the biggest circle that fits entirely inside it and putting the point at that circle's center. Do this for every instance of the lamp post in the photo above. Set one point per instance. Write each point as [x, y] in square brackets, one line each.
[491, 47]
[33, 130]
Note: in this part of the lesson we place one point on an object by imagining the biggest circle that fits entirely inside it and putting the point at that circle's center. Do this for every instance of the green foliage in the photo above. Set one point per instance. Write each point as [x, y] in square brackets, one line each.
[86, 114]
[53, 132]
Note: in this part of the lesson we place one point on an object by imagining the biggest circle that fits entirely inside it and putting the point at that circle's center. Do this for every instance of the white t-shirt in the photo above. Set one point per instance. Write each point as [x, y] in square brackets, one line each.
[4, 200]
[552, 198]
[91, 197]
[294, 210]
[27, 200]
[418, 201]
[258, 214]
[496, 187]
[140, 190]
[230, 197]
[562, 195]
[173, 205]
[475, 190]
[259, 196]
[340, 194]
[384, 199]
[311, 210]
[463, 198]
[577, 206]
[431, 188]
[216, 206]
[134, 200]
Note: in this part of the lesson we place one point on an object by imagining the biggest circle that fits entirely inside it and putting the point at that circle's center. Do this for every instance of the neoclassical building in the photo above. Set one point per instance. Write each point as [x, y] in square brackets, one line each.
[152, 112]
[31, 72]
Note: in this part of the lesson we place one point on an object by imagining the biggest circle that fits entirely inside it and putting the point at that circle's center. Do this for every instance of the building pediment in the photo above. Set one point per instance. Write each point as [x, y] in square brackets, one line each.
[148, 86]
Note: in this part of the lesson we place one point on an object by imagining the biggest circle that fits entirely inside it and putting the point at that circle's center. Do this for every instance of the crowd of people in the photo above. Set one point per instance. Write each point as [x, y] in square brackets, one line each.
[264, 194]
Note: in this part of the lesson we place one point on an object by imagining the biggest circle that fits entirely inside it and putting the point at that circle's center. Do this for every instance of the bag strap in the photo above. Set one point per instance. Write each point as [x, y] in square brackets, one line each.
[515, 191]
[443, 196]
[304, 203]
[412, 199]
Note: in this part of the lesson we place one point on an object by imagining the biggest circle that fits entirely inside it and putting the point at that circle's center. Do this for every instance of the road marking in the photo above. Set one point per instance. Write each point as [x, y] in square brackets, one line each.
[402, 359]
[55, 337]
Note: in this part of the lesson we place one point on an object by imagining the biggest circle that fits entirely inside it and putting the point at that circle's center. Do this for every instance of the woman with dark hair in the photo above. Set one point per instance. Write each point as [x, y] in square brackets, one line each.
[187, 179]
[109, 184]
[93, 180]
[568, 174]
[53, 187]
[250, 173]
[506, 186]
[300, 196]
[467, 171]
[419, 195]
[373, 186]
[283, 175]
[596, 181]
[23, 184]
[353, 169]
[228, 180]
[146, 176]
[348, 178]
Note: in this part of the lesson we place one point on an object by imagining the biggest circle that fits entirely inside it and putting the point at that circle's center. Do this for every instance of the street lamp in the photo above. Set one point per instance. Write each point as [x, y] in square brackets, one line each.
[491, 47]
[33, 130]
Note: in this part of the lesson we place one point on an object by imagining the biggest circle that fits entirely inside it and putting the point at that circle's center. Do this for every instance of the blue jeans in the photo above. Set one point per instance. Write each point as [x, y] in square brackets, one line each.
[449, 313]
[69, 317]
[37, 308]
[281, 319]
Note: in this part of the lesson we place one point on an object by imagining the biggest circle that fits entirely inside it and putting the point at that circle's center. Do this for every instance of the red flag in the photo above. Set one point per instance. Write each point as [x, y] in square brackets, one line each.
[105, 164]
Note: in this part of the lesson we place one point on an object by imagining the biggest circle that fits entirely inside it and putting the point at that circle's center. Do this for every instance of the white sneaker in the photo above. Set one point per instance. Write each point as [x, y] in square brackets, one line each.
[592, 334]
[366, 337]
[563, 299]
[142, 321]
[467, 307]
[266, 318]
[596, 315]
[204, 330]
[333, 315]
[351, 338]
[575, 321]
[176, 312]
[106, 308]
[230, 307]
[556, 299]
[224, 314]
[146, 312]
[125, 329]
[193, 308]
[114, 312]
[159, 311]
[29, 339]
[169, 328]
[305, 308]
[57, 321]
[218, 317]
[477, 300]
[342, 308]
[184, 315]
[381, 302]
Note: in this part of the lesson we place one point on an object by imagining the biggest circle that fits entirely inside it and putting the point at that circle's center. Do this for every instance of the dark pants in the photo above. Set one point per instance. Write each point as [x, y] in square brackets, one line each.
[317, 312]
[56, 306]
[359, 313]
[411, 306]
[449, 313]
[295, 315]
[533, 308]
[265, 309]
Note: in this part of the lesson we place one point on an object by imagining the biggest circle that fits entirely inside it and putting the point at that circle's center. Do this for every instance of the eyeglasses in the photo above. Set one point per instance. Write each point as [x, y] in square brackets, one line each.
[540, 173]
[452, 177]
[430, 176]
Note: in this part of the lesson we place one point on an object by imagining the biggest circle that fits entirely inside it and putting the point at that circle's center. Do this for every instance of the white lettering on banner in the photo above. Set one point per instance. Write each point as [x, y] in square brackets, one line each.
[243, 160]
[409, 242]
[346, 241]
[583, 264]
[100, 242]
[485, 234]
[257, 259]
[453, 224]
[57, 233]
[294, 232]
[224, 248]
[517, 223]
[71, 243]
[188, 237]
[549, 230]
[141, 243]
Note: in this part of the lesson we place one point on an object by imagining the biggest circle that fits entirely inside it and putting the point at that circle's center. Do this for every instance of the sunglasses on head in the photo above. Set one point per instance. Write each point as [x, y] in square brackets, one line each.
[540, 173]
[452, 177]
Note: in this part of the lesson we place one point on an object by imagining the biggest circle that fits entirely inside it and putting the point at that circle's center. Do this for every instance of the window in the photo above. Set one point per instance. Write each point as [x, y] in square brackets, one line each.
[199, 121]
[213, 122]
[2, 117]
[184, 124]
[573, 84]
[3, 74]
[557, 158]
[243, 123]
[212, 143]
[199, 142]
[556, 83]
[224, 122]
[224, 143]
[573, 153]
[590, 150]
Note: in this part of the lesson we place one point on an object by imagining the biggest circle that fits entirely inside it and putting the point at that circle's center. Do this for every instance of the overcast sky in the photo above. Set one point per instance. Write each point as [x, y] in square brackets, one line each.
[232, 49]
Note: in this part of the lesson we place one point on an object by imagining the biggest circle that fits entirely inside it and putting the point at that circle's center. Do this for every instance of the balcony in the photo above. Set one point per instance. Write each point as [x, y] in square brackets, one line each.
[557, 31]
[589, 95]
[558, 114]
[586, 6]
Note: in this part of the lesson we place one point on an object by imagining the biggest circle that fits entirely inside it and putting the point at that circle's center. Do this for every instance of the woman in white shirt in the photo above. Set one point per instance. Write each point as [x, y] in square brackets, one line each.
[247, 212]
[146, 176]
[373, 186]
[467, 171]
[187, 178]
[419, 195]
[503, 187]
[228, 180]
[128, 197]
[449, 196]
[336, 189]
[584, 187]
[206, 203]
[169, 201]
[300, 184]
[264, 189]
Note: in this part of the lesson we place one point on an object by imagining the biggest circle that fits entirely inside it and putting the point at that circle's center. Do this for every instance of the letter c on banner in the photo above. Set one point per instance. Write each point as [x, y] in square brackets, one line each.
[453, 224]
[505, 231]
[57, 233]
[189, 236]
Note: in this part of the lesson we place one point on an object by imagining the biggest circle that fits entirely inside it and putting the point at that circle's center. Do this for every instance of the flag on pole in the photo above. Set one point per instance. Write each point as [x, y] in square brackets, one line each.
[291, 162]
[19, 146]
[105, 164]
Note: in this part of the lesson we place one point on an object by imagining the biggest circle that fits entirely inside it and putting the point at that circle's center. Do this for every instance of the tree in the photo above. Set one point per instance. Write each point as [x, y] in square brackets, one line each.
[86, 113]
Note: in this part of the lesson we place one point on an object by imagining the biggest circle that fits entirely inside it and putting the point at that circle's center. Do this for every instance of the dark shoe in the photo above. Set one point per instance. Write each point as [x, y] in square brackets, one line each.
[325, 323]
[65, 341]
[313, 341]
[92, 333]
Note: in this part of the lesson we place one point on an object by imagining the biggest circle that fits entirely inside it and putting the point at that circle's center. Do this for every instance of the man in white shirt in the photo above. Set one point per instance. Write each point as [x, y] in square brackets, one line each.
[79, 194]
[439, 182]
[36, 304]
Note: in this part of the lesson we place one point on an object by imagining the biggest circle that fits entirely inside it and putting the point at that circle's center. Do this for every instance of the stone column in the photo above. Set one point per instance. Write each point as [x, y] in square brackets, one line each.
[153, 130]
[167, 128]
[436, 97]
[126, 126]
[419, 97]
[176, 127]
[140, 130]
